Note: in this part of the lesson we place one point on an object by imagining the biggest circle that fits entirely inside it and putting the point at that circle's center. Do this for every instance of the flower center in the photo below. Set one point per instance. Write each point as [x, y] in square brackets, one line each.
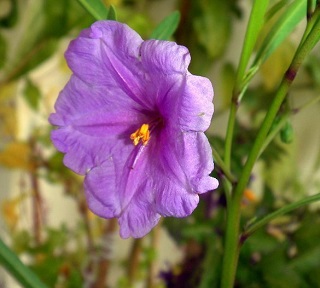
[143, 134]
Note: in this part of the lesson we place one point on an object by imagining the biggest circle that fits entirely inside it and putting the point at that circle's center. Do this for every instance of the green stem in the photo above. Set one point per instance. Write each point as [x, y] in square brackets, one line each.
[17, 269]
[310, 22]
[229, 135]
[231, 249]
[284, 210]
[218, 160]
[274, 132]
[283, 121]
[309, 9]
[253, 28]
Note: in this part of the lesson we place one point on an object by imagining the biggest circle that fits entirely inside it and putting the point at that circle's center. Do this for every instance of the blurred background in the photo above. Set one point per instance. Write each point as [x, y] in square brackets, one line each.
[44, 217]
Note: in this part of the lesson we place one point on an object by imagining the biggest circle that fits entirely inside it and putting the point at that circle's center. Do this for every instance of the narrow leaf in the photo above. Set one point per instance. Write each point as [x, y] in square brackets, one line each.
[289, 19]
[254, 26]
[167, 27]
[18, 270]
[275, 9]
[95, 8]
[112, 15]
[281, 211]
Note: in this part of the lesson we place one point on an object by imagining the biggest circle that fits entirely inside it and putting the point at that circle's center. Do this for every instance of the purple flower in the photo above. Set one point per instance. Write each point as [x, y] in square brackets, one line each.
[131, 119]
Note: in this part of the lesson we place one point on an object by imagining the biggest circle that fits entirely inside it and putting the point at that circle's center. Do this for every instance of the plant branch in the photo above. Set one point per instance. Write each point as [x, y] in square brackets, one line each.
[107, 251]
[284, 210]
[134, 260]
[233, 214]
[222, 165]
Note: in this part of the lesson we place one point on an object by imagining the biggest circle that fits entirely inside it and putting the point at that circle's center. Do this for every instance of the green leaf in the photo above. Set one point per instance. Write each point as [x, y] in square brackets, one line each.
[32, 94]
[112, 15]
[95, 8]
[281, 211]
[254, 26]
[18, 270]
[285, 24]
[167, 27]
[275, 9]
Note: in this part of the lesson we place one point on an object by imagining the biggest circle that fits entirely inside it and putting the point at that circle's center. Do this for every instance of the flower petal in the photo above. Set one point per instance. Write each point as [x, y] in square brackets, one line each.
[180, 171]
[196, 156]
[121, 186]
[196, 104]
[164, 57]
[109, 56]
[140, 216]
[79, 99]
[174, 200]
[84, 54]
[101, 189]
[91, 125]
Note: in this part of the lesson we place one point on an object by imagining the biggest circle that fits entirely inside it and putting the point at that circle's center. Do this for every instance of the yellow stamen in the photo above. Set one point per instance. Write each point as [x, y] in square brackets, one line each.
[142, 134]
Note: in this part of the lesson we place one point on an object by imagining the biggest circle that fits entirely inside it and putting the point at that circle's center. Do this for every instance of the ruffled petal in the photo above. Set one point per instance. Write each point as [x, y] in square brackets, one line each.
[196, 107]
[164, 57]
[101, 189]
[108, 55]
[84, 54]
[120, 188]
[196, 157]
[180, 171]
[140, 215]
[175, 200]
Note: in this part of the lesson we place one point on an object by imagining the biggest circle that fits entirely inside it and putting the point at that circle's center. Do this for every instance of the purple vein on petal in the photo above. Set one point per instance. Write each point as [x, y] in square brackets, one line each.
[123, 74]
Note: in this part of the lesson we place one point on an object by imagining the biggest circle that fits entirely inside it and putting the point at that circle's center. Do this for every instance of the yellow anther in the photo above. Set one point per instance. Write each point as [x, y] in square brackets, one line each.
[142, 134]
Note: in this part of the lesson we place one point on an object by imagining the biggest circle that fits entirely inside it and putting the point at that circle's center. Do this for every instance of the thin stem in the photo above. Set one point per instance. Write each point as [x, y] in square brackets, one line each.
[283, 121]
[231, 253]
[229, 135]
[17, 269]
[106, 253]
[152, 266]
[37, 209]
[307, 104]
[253, 28]
[284, 210]
[311, 20]
[309, 9]
[233, 217]
[134, 260]
[274, 132]
[222, 165]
